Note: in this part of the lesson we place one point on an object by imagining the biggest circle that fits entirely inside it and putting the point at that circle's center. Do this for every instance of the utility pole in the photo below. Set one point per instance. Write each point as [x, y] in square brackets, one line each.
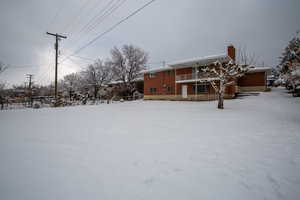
[30, 76]
[57, 38]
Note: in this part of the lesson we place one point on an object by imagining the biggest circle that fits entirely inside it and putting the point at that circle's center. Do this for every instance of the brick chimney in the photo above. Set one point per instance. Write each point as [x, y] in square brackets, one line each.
[231, 52]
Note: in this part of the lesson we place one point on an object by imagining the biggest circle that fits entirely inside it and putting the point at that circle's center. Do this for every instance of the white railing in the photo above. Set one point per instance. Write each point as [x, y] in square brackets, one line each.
[193, 76]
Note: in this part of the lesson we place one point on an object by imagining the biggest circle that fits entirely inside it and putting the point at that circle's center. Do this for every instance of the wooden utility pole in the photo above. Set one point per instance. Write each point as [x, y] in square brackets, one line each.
[30, 76]
[57, 38]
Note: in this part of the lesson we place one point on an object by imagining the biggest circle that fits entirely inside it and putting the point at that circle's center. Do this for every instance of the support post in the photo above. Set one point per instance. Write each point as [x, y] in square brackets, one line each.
[30, 76]
[57, 38]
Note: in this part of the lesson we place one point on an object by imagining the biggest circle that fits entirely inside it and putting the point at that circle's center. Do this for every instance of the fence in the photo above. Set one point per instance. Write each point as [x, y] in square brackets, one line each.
[44, 102]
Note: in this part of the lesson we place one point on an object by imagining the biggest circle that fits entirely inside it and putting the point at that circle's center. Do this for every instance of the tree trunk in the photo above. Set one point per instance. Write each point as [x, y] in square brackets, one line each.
[221, 96]
[95, 92]
[220, 101]
[70, 95]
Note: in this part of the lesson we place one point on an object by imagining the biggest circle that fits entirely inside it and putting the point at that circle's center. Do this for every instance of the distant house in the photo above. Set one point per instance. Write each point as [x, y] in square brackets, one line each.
[179, 80]
[138, 84]
[256, 79]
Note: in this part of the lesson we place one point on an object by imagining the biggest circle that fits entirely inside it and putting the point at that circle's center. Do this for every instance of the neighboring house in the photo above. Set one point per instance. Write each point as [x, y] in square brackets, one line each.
[184, 80]
[138, 84]
[254, 80]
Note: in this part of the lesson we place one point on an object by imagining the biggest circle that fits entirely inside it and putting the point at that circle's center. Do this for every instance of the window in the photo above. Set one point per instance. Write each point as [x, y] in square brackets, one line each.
[168, 89]
[194, 70]
[152, 74]
[152, 90]
[201, 88]
[200, 70]
[168, 73]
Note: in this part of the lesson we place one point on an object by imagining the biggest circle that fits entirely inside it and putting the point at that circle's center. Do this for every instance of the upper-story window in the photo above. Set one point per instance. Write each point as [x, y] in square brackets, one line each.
[168, 73]
[152, 74]
[198, 69]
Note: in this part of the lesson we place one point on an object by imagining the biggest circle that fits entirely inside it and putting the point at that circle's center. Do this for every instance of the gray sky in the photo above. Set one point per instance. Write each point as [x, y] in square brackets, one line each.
[168, 30]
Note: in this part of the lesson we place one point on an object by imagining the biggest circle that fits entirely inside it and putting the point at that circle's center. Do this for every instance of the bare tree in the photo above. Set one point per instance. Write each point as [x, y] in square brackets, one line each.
[2, 86]
[222, 75]
[71, 83]
[246, 58]
[127, 64]
[98, 74]
[3, 67]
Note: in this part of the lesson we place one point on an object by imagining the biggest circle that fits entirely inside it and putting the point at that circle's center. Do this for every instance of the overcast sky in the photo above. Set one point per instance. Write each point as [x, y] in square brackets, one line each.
[168, 30]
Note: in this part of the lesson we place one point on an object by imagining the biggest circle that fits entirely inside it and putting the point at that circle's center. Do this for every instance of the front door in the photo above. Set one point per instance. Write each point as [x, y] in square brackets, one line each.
[184, 91]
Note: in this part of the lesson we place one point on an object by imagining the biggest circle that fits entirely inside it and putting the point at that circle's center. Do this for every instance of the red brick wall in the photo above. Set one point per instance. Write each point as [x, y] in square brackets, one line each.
[161, 81]
[184, 71]
[190, 90]
[252, 79]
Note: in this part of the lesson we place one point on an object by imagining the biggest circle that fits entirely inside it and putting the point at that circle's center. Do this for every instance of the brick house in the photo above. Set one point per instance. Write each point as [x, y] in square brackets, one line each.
[254, 80]
[184, 80]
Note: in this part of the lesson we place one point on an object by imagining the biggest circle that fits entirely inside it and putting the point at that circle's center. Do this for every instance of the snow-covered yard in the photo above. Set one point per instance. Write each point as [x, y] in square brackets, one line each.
[154, 150]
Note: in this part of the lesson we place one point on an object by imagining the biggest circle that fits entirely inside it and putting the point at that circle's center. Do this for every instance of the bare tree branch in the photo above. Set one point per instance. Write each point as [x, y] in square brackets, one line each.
[127, 64]
[3, 67]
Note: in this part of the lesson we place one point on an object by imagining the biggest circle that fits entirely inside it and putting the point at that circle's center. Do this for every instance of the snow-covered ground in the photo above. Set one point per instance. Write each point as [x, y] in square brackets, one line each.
[154, 150]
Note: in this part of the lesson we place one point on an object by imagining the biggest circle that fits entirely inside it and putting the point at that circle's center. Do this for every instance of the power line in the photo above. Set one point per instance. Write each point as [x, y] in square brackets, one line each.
[55, 16]
[77, 36]
[80, 10]
[23, 66]
[109, 30]
[99, 13]
[113, 27]
[84, 58]
[81, 67]
[48, 71]
[105, 15]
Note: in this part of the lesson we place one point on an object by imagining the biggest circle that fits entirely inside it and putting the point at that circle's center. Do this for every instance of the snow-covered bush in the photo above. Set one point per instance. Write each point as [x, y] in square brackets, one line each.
[37, 105]
[279, 82]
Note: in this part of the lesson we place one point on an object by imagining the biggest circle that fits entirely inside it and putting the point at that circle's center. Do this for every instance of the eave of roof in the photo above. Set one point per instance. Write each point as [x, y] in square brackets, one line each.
[259, 69]
[159, 69]
[190, 63]
[200, 61]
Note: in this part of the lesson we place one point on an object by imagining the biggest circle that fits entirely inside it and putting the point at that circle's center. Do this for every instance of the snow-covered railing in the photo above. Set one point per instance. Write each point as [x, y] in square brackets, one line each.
[193, 76]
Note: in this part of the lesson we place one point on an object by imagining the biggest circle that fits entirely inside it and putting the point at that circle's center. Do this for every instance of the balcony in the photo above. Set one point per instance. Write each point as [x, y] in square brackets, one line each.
[186, 78]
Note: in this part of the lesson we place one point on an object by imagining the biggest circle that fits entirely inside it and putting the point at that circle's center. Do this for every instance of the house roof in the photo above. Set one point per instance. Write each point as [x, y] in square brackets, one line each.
[200, 61]
[158, 69]
[190, 62]
[259, 69]
[118, 82]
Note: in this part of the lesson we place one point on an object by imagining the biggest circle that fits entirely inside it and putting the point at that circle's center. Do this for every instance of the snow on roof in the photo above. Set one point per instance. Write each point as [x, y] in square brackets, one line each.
[158, 69]
[259, 69]
[198, 80]
[200, 60]
[190, 62]
[118, 82]
[115, 82]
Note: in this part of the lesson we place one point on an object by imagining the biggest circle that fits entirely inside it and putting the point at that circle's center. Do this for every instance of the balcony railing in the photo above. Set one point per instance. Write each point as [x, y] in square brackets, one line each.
[191, 77]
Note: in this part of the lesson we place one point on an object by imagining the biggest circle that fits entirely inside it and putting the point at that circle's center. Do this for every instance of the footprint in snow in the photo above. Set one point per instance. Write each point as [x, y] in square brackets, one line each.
[148, 181]
[177, 170]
